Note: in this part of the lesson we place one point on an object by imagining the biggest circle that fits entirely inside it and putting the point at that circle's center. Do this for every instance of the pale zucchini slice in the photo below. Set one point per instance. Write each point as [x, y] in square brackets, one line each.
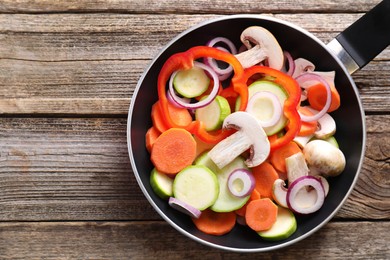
[226, 201]
[214, 113]
[161, 184]
[283, 228]
[191, 83]
[197, 186]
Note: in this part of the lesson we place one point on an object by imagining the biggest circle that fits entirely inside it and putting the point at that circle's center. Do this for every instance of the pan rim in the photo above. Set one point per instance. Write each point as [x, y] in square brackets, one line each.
[157, 208]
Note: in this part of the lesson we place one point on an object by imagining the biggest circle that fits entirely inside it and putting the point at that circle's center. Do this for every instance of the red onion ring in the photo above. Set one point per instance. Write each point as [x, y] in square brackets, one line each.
[301, 184]
[203, 102]
[226, 72]
[229, 43]
[184, 100]
[247, 181]
[277, 107]
[222, 73]
[184, 207]
[291, 63]
[314, 77]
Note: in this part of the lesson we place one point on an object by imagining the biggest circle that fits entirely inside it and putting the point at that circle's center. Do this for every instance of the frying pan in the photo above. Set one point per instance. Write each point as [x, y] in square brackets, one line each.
[349, 51]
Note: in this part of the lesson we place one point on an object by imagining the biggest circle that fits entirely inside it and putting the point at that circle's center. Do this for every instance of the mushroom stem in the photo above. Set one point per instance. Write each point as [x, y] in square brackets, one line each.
[251, 57]
[250, 135]
[230, 148]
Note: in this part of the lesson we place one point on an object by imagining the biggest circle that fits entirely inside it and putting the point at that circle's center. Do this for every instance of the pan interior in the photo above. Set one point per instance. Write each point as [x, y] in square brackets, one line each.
[349, 118]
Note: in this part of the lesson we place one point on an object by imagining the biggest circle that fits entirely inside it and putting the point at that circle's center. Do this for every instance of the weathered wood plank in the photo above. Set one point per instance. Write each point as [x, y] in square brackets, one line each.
[106, 87]
[186, 6]
[78, 169]
[157, 240]
[60, 37]
[90, 63]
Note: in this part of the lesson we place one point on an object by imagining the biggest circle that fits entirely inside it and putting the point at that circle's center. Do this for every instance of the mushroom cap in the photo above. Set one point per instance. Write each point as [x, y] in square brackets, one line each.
[257, 35]
[248, 124]
[324, 157]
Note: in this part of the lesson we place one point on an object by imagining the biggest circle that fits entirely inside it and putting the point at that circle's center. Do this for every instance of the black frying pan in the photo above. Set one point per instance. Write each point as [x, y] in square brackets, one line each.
[351, 50]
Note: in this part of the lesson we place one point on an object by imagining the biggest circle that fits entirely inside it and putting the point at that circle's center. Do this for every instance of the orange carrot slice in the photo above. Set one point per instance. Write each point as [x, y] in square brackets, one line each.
[173, 150]
[215, 223]
[265, 176]
[316, 96]
[150, 137]
[278, 157]
[180, 116]
[255, 195]
[261, 214]
[307, 128]
[201, 146]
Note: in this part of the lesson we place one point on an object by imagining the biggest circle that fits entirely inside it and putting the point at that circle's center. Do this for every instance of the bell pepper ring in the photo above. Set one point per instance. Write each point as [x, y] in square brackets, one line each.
[290, 105]
[185, 60]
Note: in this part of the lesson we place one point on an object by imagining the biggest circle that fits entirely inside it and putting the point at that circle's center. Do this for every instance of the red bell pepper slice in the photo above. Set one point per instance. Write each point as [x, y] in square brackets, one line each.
[184, 60]
[290, 105]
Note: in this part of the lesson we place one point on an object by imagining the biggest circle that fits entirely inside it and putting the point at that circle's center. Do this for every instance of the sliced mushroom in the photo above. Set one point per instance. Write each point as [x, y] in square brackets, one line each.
[302, 66]
[296, 167]
[326, 127]
[250, 135]
[301, 141]
[261, 45]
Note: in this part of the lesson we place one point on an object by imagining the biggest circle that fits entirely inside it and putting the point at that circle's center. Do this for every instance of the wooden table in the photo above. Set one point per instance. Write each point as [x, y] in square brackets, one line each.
[67, 73]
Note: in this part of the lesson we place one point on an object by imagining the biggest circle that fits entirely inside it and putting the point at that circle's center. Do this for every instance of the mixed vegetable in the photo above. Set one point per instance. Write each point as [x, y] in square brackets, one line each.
[243, 136]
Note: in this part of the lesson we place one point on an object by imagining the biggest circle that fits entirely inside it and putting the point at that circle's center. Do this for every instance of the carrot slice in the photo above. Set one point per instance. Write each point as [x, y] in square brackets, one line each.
[181, 116]
[307, 128]
[201, 146]
[265, 176]
[261, 214]
[150, 137]
[255, 195]
[316, 96]
[215, 223]
[278, 157]
[173, 150]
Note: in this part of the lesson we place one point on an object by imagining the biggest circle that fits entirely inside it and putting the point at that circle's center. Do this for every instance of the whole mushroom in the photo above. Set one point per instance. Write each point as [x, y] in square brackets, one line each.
[324, 158]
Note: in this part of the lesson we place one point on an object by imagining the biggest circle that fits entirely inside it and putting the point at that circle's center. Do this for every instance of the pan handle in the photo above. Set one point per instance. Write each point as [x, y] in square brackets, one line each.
[364, 39]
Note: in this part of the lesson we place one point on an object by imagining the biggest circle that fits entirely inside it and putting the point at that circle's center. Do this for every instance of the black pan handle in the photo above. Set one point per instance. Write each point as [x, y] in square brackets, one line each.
[366, 37]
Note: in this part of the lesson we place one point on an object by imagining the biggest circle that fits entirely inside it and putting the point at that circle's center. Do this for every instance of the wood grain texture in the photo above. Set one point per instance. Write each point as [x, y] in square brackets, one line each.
[59, 37]
[68, 70]
[186, 6]
[157, 240]
[78, 169]
[90, 63]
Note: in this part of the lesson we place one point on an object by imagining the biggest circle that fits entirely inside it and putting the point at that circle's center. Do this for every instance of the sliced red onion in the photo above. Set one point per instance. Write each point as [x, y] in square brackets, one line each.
[214, 65]
[241, 183]
[184, 207]
[324, 183]
[277, 107]
[290, 62]
[172, 101]
[203, 102]
[302, 200]
[229, 43]
[314, 77]
[226, 72]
